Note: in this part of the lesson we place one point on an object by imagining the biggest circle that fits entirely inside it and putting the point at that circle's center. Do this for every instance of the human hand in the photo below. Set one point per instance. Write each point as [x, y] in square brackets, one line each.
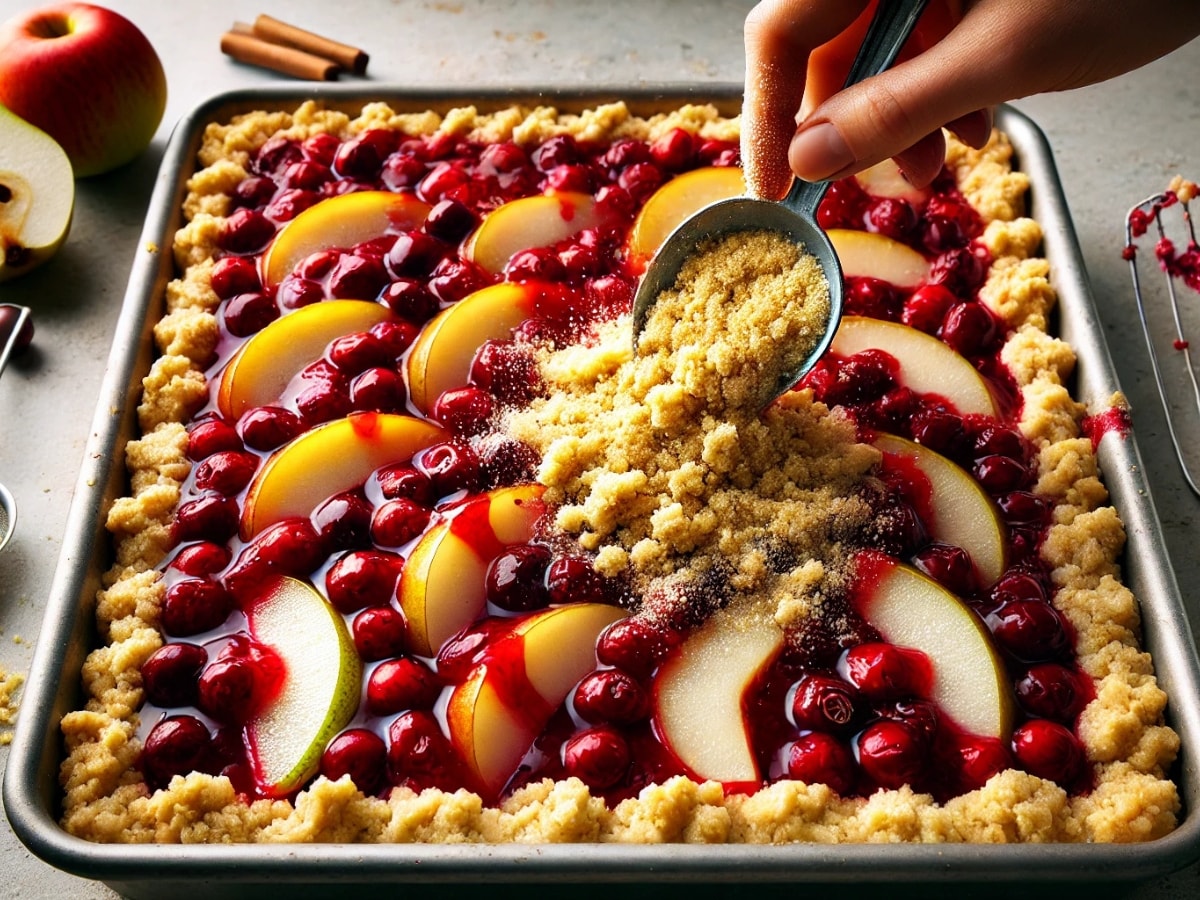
[1000, 50]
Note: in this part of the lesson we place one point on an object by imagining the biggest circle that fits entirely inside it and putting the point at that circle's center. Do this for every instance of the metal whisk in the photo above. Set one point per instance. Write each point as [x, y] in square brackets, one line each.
[1178, 274]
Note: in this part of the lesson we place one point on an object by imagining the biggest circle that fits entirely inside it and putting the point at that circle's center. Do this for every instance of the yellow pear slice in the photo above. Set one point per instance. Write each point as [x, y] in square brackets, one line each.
[327, 460]
[884, 179]
[260, 371]
[442, 588]
[37, 195]
[963, 513]
[701, 689]
[676, 201]
[970, 683]
[870, 255]
[529, 222]
[441, 356]
[489, 726]
[321, 685]
[340, 221]
[927, 366]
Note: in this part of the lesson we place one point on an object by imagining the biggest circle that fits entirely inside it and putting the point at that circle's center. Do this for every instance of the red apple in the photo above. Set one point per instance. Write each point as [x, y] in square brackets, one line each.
[86, 76]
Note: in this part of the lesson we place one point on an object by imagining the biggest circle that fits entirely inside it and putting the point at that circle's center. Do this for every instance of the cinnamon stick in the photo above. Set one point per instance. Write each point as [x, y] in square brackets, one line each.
[277, 32]
[247, 48]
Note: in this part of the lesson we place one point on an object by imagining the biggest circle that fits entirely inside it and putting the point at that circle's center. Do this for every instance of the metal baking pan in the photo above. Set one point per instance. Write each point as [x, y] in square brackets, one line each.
[31, 787]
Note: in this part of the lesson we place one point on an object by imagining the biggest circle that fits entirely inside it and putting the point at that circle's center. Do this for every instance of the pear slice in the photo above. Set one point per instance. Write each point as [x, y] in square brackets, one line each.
[441, 356]
[865, 254]
[927, 366]
[970, 683]
[528, 222]
[340, 221]
[884, 179]
[321, 686]
[700, 694]
[442, 587]
[676, 201]
[961, 513]
[327, 460]
[494, 716]
[37, 195]
[260, 371]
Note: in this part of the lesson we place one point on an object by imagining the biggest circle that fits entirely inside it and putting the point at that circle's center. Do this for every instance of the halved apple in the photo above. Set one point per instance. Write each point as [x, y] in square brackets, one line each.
[700, 694]
[884, 179]
[870, 255]
[970, 683]
[442, 587]
[441, 356]
[492, 724]
[521, 224]
[927, 366]
[37, 195]
[260, 371]
[676, 201]
[340, 221]
[321, 685]
[327, 460]
[960, 511]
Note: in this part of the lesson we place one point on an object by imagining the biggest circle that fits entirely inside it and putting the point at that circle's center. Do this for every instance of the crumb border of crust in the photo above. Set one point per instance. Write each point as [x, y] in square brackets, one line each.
[1127, 743]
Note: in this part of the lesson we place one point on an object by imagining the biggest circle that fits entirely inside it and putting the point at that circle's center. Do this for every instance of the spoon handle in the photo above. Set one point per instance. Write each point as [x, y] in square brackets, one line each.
[890, 27]
[10, 331]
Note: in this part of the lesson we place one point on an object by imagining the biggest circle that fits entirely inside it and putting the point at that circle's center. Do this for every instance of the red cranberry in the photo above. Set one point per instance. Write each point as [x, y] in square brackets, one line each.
[359, 753]
[245, 231]
[499, 159]
[892, 217]
[1051, 691]
[1024, 508]
[674, 151]
[396, 522]
[200, 559]
[573, 579]
[979, 759]
[378, 390]
[454, 279]
[599, 757]
[451, 466]
[401, 171]
[375, 248]
[898, 530]
[969, 329]
[926, 308]
[248, 313]
[465, 411]
[396, 482]
[961, 269]
[894, 409]
[641, 180]
[209, 518]
[227, 690]
[823, 703]
[818, 758]
[357, 278]
[396, 337]
[922, 716]
[505, 460]
[414, 254]
[193, 606]
[992, 438]
[949, 566]
[294, 292]
[344, 521]
[891, 753]
[886, 672]
[450, 221]
[418, 751]
[625, 152]
[1018, 585]
[234, 275]
[273, 156]
[363, 578]
[226, 472]
[211, 436]
[379, 633]
[1049, 750]
[399, 684]
[268, 427]
[871, 297]
[843, 205]
[1032, 631]
[320, 148]
[254, 191]
[557, 151]
[1000, 474]
[362, 155]
[941, 431]
[169, 674]
[410, 298]
[515, 580]
[614, 204]
[291, 545]
[176, 745]
[506, 370]
[863, 377]
[289, 203]
[610, 695]
[580, 262]
[444, 180]
[634, 646]
[535, 264]
[459, 654]
[305, 174]
[718, 153]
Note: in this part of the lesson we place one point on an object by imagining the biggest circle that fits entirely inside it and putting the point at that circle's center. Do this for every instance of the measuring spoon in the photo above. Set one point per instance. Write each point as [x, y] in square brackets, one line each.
[793, 216]
[12, 325]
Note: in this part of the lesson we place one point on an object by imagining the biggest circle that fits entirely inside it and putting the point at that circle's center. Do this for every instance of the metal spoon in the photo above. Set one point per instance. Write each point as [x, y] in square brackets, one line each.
[794, 216]
[10, 337]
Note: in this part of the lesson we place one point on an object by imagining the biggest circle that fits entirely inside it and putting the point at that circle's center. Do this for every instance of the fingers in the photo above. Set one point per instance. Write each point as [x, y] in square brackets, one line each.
[779, 36]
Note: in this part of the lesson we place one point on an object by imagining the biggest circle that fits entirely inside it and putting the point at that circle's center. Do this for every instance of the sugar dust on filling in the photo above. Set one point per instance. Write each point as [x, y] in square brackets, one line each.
[664, 463]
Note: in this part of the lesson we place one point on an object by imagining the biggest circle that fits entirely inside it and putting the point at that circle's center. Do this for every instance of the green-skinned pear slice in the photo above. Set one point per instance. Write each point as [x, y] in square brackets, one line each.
[37, 196]
[321, 684]
[970, 682]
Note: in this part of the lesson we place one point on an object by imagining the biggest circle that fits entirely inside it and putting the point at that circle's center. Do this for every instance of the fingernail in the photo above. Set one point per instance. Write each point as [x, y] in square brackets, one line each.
[818, 152]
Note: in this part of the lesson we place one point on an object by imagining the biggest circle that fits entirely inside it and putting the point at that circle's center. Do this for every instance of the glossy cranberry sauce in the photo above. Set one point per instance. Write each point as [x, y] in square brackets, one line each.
[846, 709]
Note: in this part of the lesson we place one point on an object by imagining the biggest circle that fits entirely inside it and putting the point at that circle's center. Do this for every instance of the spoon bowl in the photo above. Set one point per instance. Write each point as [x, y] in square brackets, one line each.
[14, 330]
[8, 515]
[794, 216]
